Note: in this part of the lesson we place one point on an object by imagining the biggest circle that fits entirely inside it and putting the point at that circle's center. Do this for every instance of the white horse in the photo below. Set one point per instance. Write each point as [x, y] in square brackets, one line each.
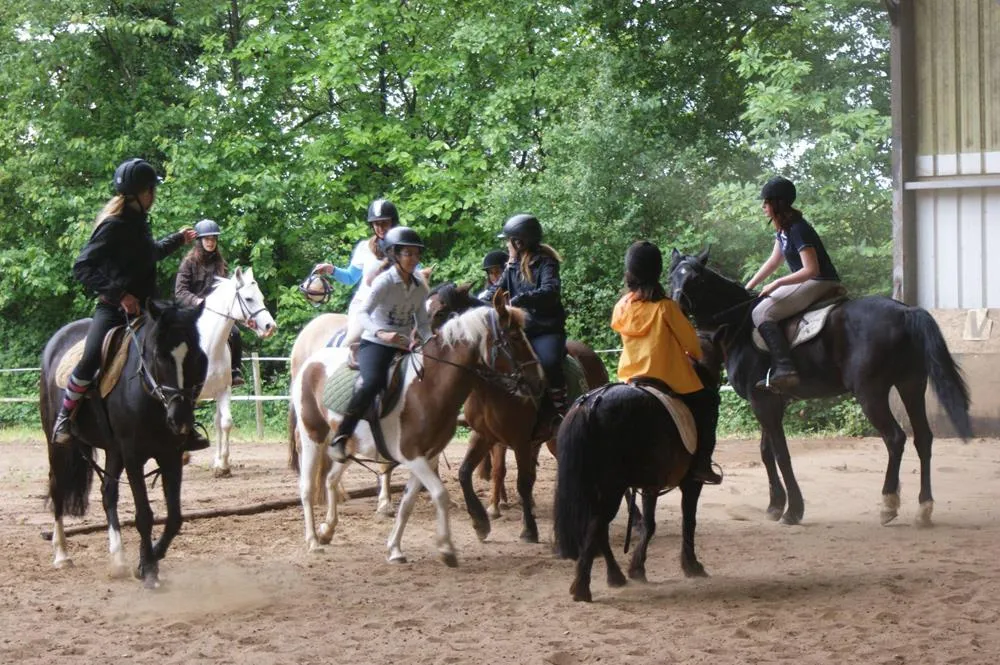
[233, 300]
[485, 344]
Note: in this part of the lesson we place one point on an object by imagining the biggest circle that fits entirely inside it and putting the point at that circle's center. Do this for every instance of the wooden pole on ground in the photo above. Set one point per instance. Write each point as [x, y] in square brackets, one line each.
[251, 509]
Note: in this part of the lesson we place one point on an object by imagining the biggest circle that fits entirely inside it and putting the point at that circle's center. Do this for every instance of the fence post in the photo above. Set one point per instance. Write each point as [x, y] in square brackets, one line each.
[258, 405]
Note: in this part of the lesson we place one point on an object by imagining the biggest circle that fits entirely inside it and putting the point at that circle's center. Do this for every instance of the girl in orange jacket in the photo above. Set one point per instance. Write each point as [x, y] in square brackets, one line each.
[658, 343]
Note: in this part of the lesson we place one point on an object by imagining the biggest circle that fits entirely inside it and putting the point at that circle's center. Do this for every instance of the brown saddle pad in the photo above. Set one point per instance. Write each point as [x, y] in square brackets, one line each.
[114, 353]
[678, 410]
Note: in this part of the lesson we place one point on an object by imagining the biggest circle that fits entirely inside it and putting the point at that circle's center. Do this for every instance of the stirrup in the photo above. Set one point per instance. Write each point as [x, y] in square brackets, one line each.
[338, 448]
[708, 476]
[774, 385]
[195, 442]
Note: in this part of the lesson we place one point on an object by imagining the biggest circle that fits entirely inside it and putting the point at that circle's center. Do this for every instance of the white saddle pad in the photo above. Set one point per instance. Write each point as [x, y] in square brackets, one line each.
[800, 328]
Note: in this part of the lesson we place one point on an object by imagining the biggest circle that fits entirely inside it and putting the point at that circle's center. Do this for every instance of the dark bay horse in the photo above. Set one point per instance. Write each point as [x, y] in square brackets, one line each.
[867, 347]
[147, 415]
[499, 419]
[484, 345]
[616, 438]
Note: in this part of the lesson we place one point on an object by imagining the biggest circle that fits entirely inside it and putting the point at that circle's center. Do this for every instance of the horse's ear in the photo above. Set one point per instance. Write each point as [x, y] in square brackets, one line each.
[675, 258]
[238, 275]
[248, 274]
[464, 288]
[703, 257]
[500, 304]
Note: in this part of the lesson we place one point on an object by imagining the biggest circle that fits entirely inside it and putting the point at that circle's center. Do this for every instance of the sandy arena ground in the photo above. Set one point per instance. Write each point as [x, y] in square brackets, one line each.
[840, 588]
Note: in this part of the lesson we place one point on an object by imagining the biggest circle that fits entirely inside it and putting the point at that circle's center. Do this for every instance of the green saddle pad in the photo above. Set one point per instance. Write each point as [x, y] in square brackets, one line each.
[576, 381]
[339, 388]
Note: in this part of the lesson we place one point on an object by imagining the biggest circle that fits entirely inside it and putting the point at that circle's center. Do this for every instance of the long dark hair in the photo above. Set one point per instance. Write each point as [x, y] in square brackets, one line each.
[645, 290]
[785, 213]
[214, 259]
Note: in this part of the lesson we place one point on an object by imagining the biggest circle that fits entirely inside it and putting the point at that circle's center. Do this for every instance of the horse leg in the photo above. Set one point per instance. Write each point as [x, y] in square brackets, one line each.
[479, 448]
[912, 396]
[690, 493]
[770, 410]
[637, 566]
[148, 569]
[309, 462]
[875, 405]
[422, 475]
[223, 429]
[498, 478]
[776, 491]
[113, 467]
[384, 507]
[526, 455]
[170, 472]
[580, 588]
[329, 525]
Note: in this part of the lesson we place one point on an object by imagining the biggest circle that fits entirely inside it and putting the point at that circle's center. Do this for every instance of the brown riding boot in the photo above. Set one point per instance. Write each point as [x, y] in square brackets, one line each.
[782, 377]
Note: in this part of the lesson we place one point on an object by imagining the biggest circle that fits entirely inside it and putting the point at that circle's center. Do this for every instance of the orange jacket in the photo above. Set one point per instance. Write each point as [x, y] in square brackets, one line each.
[656, 341]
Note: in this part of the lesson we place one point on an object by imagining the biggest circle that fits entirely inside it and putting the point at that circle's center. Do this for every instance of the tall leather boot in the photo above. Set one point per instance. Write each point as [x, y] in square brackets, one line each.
[783, 375]
[62, 432]
[236, 354]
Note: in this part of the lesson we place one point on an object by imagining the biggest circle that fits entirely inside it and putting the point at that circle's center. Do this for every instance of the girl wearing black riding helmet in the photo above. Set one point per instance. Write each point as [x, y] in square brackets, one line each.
[658, 343]
[196, 279]
[493, 265]
[811, 277]
[118, 263]
[366, 262]
[393, 318]
[531, 277]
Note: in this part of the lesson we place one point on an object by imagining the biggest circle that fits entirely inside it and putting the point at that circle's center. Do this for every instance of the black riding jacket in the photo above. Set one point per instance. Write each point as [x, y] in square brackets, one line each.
[121, 257]
[540, 297]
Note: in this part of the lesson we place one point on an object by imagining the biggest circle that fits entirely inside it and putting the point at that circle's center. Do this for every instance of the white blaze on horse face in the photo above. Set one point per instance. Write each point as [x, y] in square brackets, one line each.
[180, 353]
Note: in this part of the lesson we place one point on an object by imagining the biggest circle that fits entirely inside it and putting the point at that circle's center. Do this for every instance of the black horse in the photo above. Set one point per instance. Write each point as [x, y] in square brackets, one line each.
[867, 347]
[615, 438]
[147, 415]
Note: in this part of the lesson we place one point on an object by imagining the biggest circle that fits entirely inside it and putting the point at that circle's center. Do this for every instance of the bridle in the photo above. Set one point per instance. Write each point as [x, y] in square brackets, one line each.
[247, 313]
[718, 319]
[514, 381]
[165, 395]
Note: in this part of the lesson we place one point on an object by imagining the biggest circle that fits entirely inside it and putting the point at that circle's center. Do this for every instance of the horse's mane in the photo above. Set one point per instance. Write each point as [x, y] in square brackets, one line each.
[473, 327]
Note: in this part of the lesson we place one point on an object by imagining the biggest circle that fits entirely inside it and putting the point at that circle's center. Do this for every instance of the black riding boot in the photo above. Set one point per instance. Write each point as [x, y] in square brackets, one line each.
[62, 429]
[338, 447]
[783, 375]
[195, 441]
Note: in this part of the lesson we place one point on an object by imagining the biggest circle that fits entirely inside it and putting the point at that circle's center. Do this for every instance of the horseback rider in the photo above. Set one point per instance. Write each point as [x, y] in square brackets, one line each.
[493, 265]
[531, 278]
[393, 318]
[118, 263]
[811, 277]
[658, 343]
[196, 279]
[366, 263]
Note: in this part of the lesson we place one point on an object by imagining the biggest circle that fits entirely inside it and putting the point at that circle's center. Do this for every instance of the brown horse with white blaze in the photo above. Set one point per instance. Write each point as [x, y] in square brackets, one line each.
[481, 346]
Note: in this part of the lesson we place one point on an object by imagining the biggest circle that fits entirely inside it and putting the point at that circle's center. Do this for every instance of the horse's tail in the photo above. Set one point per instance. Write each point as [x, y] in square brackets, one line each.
[70, 470]
[293, 447]
[949, 385]
[579, 453]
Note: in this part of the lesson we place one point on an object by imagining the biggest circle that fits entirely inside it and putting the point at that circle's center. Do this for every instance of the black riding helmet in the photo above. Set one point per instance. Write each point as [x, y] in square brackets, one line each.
[207, 228]
[401, 236]
[495, 259]
[644, 262]
[134, 176]
[383, 209]
[524, 228]
[778, 189]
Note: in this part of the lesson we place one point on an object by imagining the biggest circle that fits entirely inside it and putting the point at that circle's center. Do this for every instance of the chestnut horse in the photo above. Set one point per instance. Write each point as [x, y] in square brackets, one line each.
[499, 420]
[482, 346]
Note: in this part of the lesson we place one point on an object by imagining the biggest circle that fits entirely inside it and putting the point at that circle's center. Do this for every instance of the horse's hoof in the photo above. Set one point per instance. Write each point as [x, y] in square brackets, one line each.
[791, 519]
[314, 547]
[493, 512]
[923, 520]
[222, 472]
[185, 458]
[616, 579]
[151, 583]
[887, 516]
[450, 559]
[399, 558]
[324, 534]
[775, 513]
[482, 530]
[638, 576]
[581, 596]
[529, 536]
[63, 564]
[693, 569]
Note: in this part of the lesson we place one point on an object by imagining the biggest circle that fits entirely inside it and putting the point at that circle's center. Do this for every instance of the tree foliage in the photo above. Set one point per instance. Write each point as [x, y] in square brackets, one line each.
[612, 120]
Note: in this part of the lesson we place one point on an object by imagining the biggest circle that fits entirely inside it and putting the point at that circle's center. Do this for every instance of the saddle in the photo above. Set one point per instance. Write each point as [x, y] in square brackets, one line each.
[340, 387]
[114, 353]
[678, 410]
[804, 326]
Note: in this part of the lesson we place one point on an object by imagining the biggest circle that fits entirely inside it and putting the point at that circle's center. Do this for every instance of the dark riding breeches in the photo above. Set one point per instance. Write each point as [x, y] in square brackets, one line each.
[373, 362]
[106, 317]
[551, 351]
[236, 347]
